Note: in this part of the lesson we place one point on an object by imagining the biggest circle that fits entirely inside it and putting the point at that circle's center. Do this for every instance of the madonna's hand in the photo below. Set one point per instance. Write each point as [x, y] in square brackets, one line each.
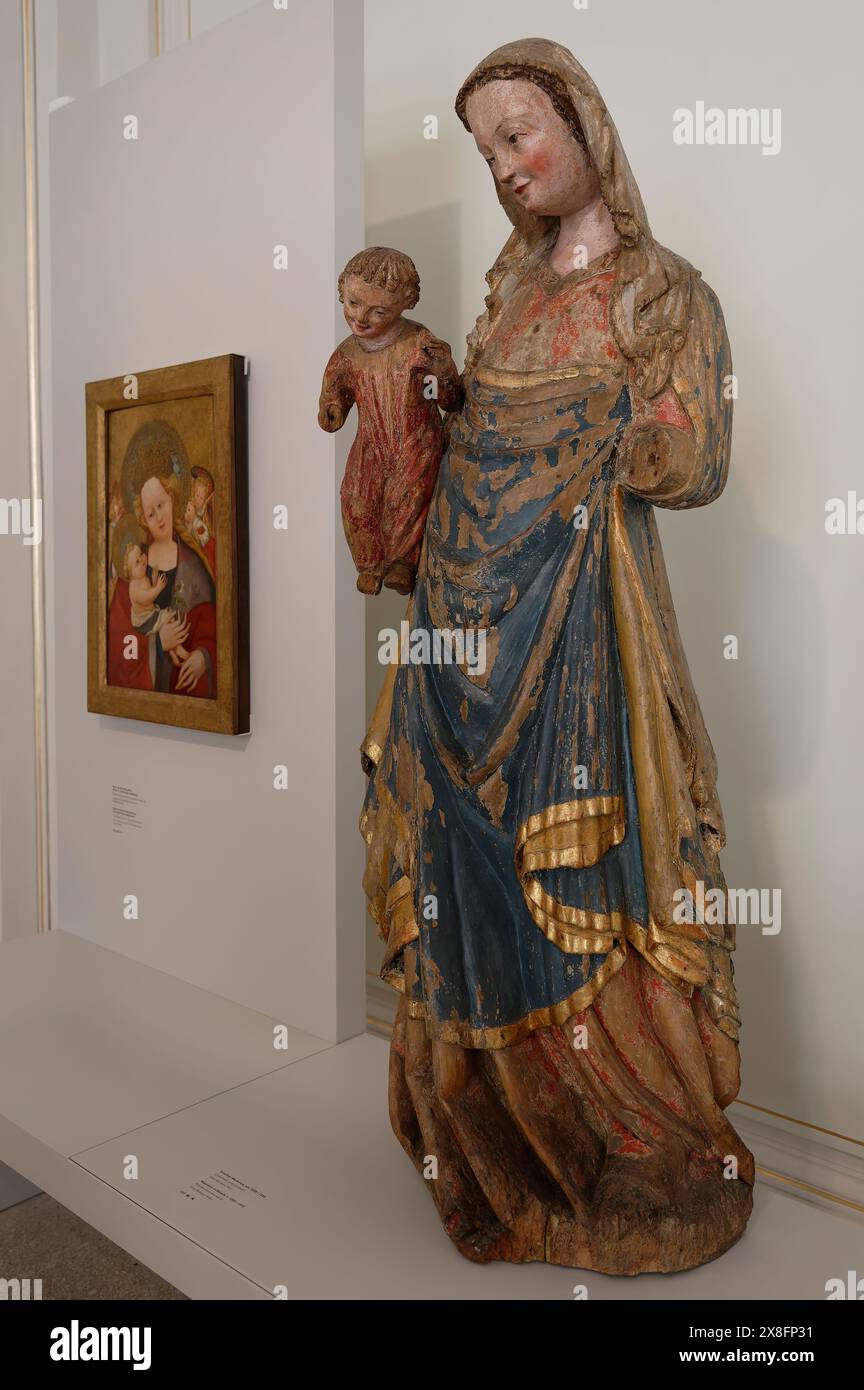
[192, 670]
[646, 459]
[174, 632]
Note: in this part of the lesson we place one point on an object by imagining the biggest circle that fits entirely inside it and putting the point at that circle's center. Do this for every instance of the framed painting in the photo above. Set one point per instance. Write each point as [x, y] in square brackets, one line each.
[168, 546]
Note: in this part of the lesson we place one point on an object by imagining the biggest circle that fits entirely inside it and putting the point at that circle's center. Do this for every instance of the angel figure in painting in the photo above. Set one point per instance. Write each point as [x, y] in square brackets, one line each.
[565, 1044]
[199, 515]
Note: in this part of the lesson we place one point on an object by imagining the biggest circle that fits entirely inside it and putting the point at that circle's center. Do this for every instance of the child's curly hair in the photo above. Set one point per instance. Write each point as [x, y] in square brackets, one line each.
[389, 269]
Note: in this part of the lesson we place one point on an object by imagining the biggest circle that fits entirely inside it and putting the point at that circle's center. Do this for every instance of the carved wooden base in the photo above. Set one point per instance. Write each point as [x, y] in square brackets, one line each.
[615, 1157]
[628, 1233]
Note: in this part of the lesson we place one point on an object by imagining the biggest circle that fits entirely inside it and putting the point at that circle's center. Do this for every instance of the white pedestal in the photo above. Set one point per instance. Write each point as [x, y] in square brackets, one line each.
[258, 1169]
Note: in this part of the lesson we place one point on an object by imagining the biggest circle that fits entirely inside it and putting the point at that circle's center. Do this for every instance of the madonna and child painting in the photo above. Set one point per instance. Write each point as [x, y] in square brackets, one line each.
[168, 637]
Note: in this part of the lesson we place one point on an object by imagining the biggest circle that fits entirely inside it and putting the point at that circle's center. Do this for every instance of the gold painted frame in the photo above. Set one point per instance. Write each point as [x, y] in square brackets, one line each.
[224, 380]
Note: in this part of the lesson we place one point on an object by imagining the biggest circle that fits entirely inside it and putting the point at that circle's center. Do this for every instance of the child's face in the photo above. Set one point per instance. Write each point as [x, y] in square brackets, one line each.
[370, 310]
[136, 562]
[200, 494]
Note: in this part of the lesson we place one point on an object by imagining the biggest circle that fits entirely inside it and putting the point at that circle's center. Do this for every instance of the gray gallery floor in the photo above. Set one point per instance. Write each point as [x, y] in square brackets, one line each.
[73, 1260]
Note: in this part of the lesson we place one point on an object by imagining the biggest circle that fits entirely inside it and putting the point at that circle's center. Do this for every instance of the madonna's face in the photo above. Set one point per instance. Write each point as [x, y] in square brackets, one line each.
[157, 507]
[530, 149]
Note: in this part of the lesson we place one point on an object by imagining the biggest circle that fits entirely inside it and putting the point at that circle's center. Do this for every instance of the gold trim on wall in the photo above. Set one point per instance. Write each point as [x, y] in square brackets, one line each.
[806, 1186]
[34, 400]
[820, 1129]
[157, 24]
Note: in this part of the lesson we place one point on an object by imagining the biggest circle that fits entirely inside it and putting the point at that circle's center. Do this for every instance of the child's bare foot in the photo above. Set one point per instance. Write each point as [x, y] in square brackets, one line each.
[369, 582]
[401, 577]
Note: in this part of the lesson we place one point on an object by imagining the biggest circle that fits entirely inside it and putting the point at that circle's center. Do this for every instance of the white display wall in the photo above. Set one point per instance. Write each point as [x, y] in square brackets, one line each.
[249, 138]
[18, 874]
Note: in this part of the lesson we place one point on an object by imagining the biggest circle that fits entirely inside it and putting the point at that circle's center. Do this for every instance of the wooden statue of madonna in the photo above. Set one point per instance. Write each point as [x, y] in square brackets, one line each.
[566, 1039]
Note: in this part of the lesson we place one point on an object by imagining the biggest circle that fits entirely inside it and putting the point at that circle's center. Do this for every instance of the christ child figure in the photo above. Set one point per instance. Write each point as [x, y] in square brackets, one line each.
[400, 377]
[143, 595]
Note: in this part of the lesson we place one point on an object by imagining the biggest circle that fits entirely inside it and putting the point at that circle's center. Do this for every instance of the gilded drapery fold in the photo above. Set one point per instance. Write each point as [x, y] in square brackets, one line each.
[680, 817]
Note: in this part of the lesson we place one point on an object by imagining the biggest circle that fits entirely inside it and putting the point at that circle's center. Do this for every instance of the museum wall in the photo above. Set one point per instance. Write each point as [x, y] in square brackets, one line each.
[774, 235]
[100, 40]
[18, 901]
[162, 247]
